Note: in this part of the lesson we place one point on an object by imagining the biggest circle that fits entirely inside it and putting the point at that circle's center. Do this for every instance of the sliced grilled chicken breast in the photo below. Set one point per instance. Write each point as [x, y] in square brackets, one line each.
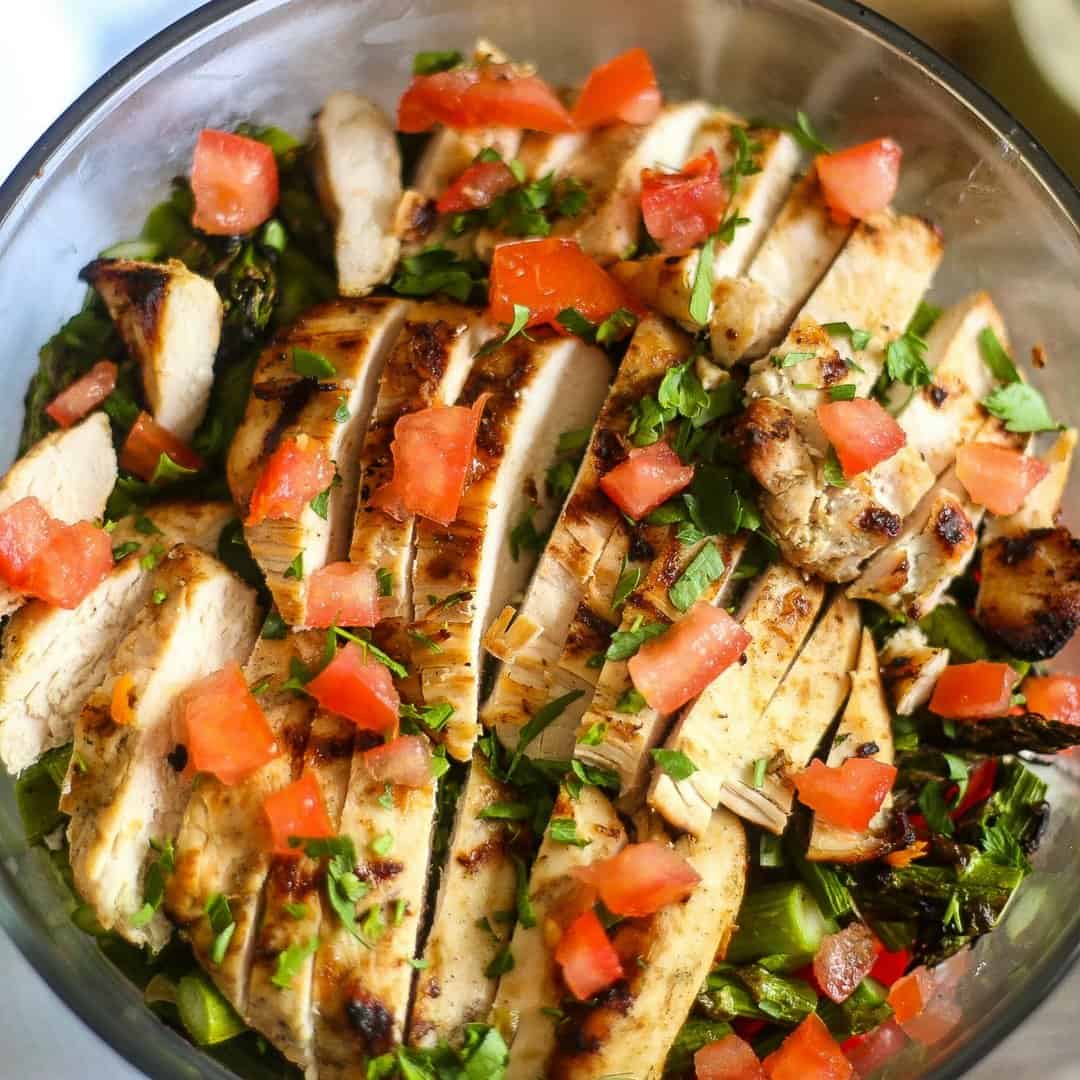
[533, 388]
[910, 667]
[533, 985]
[1042, 506]
[778, 613]
[531, 640]
[428, 365]
[354, 338]
[875, 283]
[1029, 593]
[361, 988]
[627, 736]
[170, 321]
[666, 283]
[478, 879]
[222, 847]
[609, 167]
[752, 312]
[358, 177]
[296, 912]
[865, 731]
[125, 786]
[53, 658]
[666, 959]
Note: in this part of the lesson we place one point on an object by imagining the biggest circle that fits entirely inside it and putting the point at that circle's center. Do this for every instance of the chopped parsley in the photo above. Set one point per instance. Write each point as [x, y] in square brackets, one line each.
[343, 887]
[341, 413]
[701, 291]
[593, 734]
[674, 762]
[544, 718]
[1021, 407]
[618, 326]
[859, 338]
[436, 269]
[152, 557]
[433, 717]
[564, 831]
[506, 811]
[154, 883]
[312, 365]
[433, 61]
[275, 628]
[144, 525]
[385, 580]
[222, 924]
[122, 551]
[706, 567]
[160, 596]
[842, 392]
[787, 360]
[525, 913]
[295, 569]
[760, 765]
[744, 163]
[424, 641]
[629, 579]
[296, 911]
[832, 473]
[625, 643]
[523, 536]
[905, 360]
[803, 132]
[630, 701]
[383, 844]
[290, 961]
[501, 963]
[924, 318]
[321, 503]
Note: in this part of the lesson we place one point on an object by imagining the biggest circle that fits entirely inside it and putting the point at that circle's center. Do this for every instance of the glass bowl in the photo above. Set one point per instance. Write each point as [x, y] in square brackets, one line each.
[1008, 214]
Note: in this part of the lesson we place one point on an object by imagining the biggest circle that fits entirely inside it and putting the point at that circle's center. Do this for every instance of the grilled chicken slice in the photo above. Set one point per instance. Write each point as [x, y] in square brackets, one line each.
[910, 667]
[752, 312]
[361, 987]
[911, 574]
[534, 388]
[866, 731]
[222, 845]
[666, 283]
[125, 786]
[1029, 594]
[1043, 504]
[666, 957]
[354, 337]
[478, 879]
[296, 913]
[170, 321]
[609, 167]
[875, 284]
[533, 985]
[428, 365]
[70, 472]
[358, 177]
[530, 641]
[54, 658]
[628, 736]
[778, 613]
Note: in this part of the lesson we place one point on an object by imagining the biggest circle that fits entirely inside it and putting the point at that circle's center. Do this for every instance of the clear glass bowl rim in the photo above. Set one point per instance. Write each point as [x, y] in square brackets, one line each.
[17, 921]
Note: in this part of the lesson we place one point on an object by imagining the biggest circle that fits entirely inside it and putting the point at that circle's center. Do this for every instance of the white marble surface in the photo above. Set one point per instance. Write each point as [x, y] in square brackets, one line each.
[41, 1040]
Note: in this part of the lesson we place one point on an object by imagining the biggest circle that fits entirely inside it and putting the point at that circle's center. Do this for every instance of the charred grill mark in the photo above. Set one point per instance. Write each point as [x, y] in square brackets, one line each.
[427, 351]
[293, 404]
[953, 529]
[589, 633]
[491, 848]
[876, 519]
[608, 450]
[376, 871]
[144, 289]
[937, 395]
[455, 556]
[833, 369]
[1017, 550]
[178, 758]
[640, 548]
[294, 877]
[371, 1020]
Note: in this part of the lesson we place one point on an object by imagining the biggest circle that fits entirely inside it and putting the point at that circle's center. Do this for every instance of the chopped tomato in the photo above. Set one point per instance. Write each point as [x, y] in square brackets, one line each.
[928, 1011]
[76, 559]
[549, 275]
[358, 687]
[25, 529]
[235, 183]
[997, 477]
[889, 966]
[728, 1059]
[120, 704]
[861, 180]
[808, 1053]
[405, 760]
[226, 730]
[868, 1053]
[147, 441]
[843, 960]
[478, 186]
[980, 786]
[588, 960]
[297, 810]
[83, 395]
[861, 432]
[849, 795]
[1057, 697]
[971, 691]
[491, 94]
[676, 666]
[343, 594]
[624, 88]
[293, 475]
[681, 209]
[433, 449]
[649, 476]
[641, 879]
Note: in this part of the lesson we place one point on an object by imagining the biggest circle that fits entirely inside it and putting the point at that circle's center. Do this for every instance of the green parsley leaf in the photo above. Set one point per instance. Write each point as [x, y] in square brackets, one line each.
[674, 762]
[669, 513]
[1001, 846]
[831, 471]
[223, 925]
[560, 478]
[168, 471]
[721, 500]
[275, 628]
[144, 525]
[295, 569]
[570, 197]
[859, 338]
[842, 392]
[386, 799]
[437, 269]
[905, 360]
[806, 136]
[574, 440]
[523, 536]
[369, 647]
[152, 557]
[706, 567]
[790, 359]
[296, 911]
[760, 765]
[1021, 407]
[594, 775]
[744, 163]
[726, 232]
[385, 580]
[688, 533]
[573, 322]
[312, 365]
[996, 358]
[618, 326]
[154, 882]
[564, 831]
[958, 771]
[122, 551]
[260, 687]
[544, 718]
[628, 581]
[383, 844]
[506, 811]
[625, 643]
[681, 393]
[521, 317]
[525, 913]
[701, 293]
[630, 701]
[341, 413]
[432, 61]
[924, 318]
[160, 596]
[401, 908]
[502, 962]
[433, 717]
[290, 961]
[321, 503]
[647, 425]
[424, 641]
[934, 809]
[594, 734]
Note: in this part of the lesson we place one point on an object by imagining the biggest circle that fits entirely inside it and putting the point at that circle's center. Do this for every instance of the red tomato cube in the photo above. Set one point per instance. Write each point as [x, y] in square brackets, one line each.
[681, 209]
[297, 811]
[728, 1059]
[25, 530]
[648, 477]
[83, 395]
[623, 88]
[1057, 697]
[356, 686]
[235, 183]
[849, 795]
[641, 879]
[405, 760]
[343, 594]
[293, 475]
[147, 441]
[971, 691]
[861, 432]
[809, 1053]
[478, 186]
[997, 477]
[843, 960]
[74, 561]
[861, 180]
[587, 958]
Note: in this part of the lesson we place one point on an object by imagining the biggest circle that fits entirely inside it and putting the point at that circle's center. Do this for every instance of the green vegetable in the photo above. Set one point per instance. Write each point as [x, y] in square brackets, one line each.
[744, 163]
[706, 567]
[625, 643]
[926, 315]
[37, 794]
[564, 831]
[1005, 735]
[674, 762]
[428, 63]
[433, 717]
[207, 1017]
[859, 338]
[807, 137]
[770, 851]
[781, 918]
[438, 270]
[295, 569]
[312, 365]
[905, 360]
[222, 924]
[949, 626]
[501, 963]
[594, 734]
[154, 881]
[721, 500]
[290, 961]
[790, 359]
[760, 765]
[832, 895]
[543, 719]
[831, 471]
[843, 392]
[867, 1007]
[996, 358]
[1021, 407]
[523, 536]
[693, 1035]
[701, 293]
[628, 581]
[630, 701]
[785, 1000]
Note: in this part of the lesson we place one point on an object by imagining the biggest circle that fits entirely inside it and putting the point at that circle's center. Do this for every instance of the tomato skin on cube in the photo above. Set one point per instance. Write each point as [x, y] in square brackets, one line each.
[996, 477]
[647, 478]
[862, 433]
[358, 687]
[83, 395]
[293, 475]
[342, 594]
[624, 88]
[848, 795]
[681, 209]
[809, 1053]
[587, 958]
[1056, 697]
[972, 691]
[843, 960]
[860, 180]
[641, 879]
[235, 183]
[728, 1058]
[405, 760]
[478, 186]
[297, 811]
